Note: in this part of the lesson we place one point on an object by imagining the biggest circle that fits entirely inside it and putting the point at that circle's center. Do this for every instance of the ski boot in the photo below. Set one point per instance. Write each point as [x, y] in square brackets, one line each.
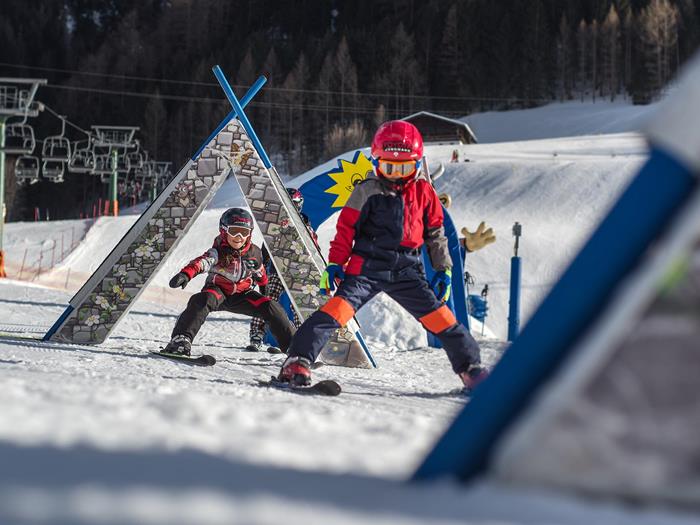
[296, 371]
[179, 345]
[255, 345]
[474, 375]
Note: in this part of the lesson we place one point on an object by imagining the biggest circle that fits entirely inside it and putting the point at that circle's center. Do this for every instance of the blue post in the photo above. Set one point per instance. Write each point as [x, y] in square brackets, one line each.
[252, 91]
[242, 117]
[514, 301]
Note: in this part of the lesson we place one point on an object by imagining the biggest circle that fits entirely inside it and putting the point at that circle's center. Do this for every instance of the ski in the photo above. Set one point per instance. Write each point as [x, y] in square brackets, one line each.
[327, 387]
[201, 360]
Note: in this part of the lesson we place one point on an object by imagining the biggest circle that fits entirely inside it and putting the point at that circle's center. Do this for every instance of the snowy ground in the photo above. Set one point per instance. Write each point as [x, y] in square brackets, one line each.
[107, 434]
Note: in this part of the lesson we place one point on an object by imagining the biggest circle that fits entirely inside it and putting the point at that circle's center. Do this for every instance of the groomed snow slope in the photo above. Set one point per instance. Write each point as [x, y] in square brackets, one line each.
[563, 119]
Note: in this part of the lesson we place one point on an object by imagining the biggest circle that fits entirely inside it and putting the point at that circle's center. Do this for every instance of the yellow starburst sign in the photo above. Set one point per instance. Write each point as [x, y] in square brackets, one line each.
[347, 176]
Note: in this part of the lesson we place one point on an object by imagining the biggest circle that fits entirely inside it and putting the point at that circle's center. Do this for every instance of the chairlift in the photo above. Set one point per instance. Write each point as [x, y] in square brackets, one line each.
[103, 165]
[57, 148]
[114, 136]
[123, 164]
[53, 170]
[27, 169]
[82, 159]
[19, 138]
[136, 155]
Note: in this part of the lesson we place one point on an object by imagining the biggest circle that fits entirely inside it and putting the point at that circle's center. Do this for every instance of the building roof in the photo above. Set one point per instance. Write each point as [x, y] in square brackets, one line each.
[454, 122]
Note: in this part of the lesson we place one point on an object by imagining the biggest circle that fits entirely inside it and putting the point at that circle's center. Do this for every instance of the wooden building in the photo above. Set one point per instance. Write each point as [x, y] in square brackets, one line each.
[437, 129]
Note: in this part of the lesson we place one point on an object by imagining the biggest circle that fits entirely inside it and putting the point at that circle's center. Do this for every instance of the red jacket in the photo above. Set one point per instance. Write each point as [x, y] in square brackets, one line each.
[381, 221]
[232, 271]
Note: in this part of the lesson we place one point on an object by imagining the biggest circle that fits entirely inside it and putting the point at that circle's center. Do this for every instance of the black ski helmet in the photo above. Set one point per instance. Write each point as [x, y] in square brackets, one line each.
[236, 217]
[297, 197]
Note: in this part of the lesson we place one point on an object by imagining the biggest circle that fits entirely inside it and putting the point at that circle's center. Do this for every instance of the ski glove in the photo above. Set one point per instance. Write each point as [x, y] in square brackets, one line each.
[332, 276]
[256, 270]
[479, 239]
[180, 280]
[442, 284]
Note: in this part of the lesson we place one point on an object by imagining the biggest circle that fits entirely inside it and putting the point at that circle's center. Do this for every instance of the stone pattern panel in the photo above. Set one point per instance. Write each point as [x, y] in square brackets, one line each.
[94, 319]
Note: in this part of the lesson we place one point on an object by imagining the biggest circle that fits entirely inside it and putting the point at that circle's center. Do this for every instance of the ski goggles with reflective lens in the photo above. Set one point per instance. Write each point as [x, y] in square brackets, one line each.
[397, 169]
[238, 231]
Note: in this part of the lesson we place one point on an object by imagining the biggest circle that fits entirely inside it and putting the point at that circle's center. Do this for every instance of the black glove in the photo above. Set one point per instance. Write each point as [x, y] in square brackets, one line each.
[180, 280]
[256, 269]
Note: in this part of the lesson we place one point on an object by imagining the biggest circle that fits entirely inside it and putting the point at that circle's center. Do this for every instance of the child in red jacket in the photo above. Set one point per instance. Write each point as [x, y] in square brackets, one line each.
[377, 248]
[234, 266]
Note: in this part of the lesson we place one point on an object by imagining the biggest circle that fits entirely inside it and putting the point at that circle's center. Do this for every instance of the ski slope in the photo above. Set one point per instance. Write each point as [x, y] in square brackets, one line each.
[562, 119]
[107, 434]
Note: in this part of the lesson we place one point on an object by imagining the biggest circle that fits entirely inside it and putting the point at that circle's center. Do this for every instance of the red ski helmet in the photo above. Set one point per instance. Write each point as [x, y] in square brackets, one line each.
[397, 140]
[400, 143]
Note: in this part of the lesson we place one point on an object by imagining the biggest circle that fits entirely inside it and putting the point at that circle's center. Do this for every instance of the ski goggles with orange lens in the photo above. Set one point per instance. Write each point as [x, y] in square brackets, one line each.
[238, 231]
[397, 169]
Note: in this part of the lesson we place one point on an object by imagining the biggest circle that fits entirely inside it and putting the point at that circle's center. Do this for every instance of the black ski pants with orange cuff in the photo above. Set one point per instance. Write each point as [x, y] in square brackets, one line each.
[212, 299]
[411, 291]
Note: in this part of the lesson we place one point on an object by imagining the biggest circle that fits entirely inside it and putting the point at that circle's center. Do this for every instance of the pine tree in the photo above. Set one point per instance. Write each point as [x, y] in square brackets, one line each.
[345, 78]
[610, 38]
[658, 24]
[154, 129]
[582, 45]
[564, 47]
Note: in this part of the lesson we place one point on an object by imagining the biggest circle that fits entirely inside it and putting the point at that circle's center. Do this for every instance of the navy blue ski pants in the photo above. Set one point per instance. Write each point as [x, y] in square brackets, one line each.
[411, 292]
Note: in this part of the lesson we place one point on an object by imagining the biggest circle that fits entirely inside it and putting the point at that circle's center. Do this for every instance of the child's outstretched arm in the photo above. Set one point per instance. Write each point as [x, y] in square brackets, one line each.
[196, 266]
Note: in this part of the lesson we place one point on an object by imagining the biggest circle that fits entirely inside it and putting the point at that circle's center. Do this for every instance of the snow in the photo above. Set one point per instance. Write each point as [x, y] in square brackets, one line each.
[107, 434]
[562, 119]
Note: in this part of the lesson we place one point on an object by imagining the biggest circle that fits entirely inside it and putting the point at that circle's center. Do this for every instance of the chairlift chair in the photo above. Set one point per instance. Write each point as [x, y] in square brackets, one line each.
[103, 165]
[27, 169]
[19, 138]
[137, 159]
[53, 170]
[123, 164]
[82, 159]
[57, 147]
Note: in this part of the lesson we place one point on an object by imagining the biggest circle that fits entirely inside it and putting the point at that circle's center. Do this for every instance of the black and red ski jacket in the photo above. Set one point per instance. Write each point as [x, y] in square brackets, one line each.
[230, 270]
[387, 224]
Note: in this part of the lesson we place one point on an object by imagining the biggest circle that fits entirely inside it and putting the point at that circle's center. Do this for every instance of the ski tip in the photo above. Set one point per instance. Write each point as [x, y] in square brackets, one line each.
[328, 388]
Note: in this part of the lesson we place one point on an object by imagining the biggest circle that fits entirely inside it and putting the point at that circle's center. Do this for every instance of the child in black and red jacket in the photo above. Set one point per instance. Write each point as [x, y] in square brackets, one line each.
[234, 267]
[377, 248]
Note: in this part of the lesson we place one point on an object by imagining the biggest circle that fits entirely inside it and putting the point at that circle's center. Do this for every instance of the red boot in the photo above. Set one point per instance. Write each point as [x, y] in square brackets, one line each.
[296, 370]
[474, 375]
